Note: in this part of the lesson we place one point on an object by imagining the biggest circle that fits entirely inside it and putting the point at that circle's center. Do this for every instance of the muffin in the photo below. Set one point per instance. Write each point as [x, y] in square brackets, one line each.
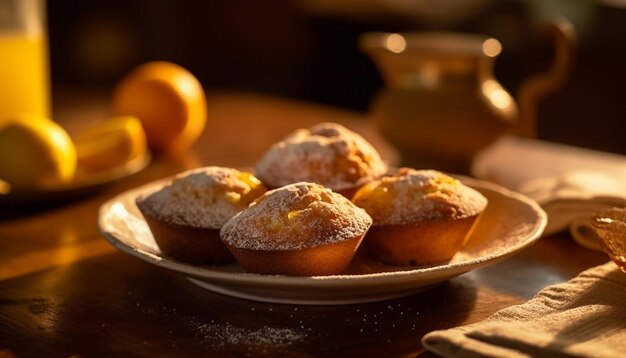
[421, 217]
[301, 229]
[327, 154]
[186, 216]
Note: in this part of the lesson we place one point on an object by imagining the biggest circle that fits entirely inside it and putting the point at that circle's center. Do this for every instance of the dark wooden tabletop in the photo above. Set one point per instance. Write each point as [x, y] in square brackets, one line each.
[64, 291]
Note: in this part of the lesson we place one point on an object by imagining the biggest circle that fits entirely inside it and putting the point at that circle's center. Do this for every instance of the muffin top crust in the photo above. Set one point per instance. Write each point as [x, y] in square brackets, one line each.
[327, 153]
[296, 216]
[413, 196]
[204, 198]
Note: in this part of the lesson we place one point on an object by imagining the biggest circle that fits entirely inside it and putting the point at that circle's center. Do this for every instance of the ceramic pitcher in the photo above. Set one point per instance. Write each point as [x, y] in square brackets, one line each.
[441, 103]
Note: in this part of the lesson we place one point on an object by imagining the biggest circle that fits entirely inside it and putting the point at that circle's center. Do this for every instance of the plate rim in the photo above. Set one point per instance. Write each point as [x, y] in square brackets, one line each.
[333, 280]
[85, 181]
[303, 301]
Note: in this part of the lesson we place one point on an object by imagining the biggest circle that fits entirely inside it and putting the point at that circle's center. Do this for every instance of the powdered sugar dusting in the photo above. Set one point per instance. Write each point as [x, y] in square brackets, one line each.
[205, 198]
[296, 216]
[227, 335]
[328, 154]
[197, 330]
[412, 196]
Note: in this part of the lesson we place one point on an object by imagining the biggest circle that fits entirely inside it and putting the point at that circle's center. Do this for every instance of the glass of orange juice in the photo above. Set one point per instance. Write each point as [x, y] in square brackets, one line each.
[24, 81]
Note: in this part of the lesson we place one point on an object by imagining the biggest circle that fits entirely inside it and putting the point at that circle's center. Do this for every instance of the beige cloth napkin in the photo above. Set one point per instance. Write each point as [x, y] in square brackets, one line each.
[585, 316]
[570, 183]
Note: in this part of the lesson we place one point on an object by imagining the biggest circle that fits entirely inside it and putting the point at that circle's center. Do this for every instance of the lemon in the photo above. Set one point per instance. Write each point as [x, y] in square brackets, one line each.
[169, 101]
[35, 152]
[110, 143]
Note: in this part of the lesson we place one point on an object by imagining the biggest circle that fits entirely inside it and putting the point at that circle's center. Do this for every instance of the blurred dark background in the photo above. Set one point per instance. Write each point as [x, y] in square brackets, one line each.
[306, 49]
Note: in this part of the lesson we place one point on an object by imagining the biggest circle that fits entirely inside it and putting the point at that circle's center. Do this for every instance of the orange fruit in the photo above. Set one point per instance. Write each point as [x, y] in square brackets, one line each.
[35, 152]
[112, 143]
[169, 101]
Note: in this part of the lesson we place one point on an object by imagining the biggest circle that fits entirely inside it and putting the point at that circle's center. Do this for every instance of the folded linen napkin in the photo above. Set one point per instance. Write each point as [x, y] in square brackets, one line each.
[570, 183]
[585, 316]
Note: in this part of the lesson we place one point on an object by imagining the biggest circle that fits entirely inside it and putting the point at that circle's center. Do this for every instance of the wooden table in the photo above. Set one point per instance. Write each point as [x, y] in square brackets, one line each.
[64, 291]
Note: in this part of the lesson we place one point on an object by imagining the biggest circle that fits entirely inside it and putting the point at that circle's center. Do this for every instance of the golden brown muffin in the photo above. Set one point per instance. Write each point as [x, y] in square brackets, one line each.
[301, 229]
[420, 216]
[186, 216]
[327, 154]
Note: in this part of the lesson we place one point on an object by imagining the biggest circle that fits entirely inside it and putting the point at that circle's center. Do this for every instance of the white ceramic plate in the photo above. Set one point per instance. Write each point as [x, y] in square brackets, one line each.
[510, 223]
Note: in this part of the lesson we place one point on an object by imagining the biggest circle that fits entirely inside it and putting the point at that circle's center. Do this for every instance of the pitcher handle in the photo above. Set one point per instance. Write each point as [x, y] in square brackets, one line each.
[543, 84]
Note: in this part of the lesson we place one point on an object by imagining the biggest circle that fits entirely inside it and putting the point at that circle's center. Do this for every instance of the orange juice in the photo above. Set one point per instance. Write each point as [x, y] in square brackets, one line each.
[24, 83]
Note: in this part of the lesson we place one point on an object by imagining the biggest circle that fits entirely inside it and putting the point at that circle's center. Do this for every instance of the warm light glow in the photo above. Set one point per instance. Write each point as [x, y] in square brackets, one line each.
[492, 47]
[396, 43]
[430, 76]
[500, 99]
[5, 188]
[187, 86]
[496, 94]
[71, 251]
